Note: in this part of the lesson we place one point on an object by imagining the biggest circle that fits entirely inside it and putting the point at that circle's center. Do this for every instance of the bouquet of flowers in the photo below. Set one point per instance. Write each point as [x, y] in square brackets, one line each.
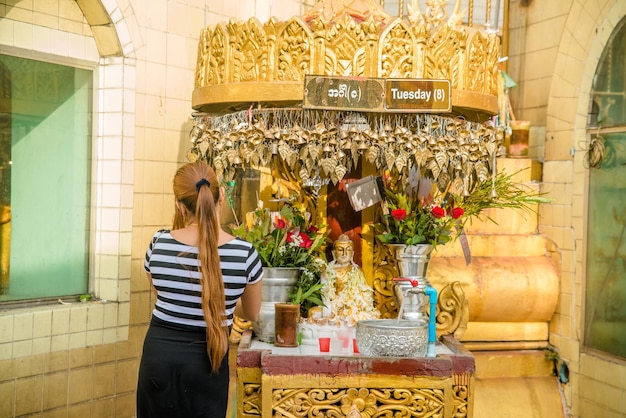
[288, 238]
[419, 216]
[424, 214]
[282, 239]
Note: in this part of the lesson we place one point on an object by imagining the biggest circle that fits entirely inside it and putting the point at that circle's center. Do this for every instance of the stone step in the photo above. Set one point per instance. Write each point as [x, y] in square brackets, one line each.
[513, 363]
[518, 397]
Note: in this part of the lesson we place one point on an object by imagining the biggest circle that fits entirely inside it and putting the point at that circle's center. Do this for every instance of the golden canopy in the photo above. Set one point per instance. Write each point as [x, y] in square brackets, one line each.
[241, 63]
[249, 87]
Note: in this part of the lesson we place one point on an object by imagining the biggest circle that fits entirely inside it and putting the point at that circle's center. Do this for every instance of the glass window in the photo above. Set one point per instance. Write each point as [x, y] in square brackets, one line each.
[605, 293]
[45, 153]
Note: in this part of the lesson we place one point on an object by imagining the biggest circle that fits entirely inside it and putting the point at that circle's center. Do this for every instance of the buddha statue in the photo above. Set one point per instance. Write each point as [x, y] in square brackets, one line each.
[346, 294]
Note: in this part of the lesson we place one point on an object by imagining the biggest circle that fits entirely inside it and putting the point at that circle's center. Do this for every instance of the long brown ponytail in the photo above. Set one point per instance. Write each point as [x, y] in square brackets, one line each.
[196, 187]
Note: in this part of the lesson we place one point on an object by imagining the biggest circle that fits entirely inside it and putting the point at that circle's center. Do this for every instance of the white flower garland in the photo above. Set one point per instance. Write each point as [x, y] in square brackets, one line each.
[355, 302]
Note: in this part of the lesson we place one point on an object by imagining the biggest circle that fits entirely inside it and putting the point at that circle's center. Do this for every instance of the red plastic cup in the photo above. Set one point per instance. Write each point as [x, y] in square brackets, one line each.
[354, 347]
[324, 344]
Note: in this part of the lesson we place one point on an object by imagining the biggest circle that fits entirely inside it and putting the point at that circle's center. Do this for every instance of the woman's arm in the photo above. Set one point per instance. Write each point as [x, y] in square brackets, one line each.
[154, 291]
[249, 305]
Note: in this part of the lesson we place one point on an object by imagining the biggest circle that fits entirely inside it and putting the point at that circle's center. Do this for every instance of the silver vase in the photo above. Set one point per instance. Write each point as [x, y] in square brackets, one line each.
[412, 259]
[412, 263]
[278, 283]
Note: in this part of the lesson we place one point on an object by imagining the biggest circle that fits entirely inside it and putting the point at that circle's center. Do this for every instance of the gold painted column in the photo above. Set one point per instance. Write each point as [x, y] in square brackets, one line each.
[512, 283]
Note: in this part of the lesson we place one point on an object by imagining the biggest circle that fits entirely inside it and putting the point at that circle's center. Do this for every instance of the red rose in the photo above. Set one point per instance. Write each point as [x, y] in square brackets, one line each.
[289, 237]
[438, 212]
[313, 229]
[280, 223]
[398, 214]
[457, 212]
[306, 242]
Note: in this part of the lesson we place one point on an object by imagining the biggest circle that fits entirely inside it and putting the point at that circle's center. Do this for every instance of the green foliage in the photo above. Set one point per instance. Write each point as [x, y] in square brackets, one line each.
[307, 291]
[312, 294]
[503, 192]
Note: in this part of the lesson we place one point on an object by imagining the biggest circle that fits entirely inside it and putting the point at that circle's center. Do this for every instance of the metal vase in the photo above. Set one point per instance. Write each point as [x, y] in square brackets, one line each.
[278, 283]
[412, 263]
[412, 259]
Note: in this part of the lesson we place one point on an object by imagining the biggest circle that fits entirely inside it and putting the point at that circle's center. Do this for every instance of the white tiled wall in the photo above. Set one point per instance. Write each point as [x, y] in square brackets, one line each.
[56, 30]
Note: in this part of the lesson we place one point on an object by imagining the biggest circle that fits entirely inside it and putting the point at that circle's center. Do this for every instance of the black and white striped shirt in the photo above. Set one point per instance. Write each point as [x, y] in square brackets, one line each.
[174, 270]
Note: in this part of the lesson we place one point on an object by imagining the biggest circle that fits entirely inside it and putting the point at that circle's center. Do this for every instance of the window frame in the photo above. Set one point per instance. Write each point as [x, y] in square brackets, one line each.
[36, 327]
[594, 130]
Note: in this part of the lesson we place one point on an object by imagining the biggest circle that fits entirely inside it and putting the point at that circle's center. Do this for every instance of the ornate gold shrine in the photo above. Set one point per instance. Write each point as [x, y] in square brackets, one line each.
[248, 94]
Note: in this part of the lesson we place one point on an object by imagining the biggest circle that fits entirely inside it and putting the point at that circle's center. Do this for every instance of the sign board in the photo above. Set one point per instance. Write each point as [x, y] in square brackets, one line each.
[376, 94]
[363, 193]
[417, 95]
[343, 93]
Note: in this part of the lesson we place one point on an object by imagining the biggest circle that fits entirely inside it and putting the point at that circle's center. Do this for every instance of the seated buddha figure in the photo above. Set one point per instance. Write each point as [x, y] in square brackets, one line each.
[346, 294]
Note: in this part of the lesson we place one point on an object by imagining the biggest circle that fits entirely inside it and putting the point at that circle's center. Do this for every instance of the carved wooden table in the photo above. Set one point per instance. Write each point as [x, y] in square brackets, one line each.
[302, 382]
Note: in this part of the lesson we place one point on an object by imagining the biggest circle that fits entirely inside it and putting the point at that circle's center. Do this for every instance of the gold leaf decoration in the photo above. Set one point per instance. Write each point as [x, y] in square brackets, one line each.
[255, 159]
[401, 161]
[231, 155]
[451, 146]
[314, 151]
[284, 151]
[390, 157]
[328, 165]
[203, 147]
[192, 155]
[304, 174]
[441, 158]
[339, 172]
[371, 154]
[482, 173]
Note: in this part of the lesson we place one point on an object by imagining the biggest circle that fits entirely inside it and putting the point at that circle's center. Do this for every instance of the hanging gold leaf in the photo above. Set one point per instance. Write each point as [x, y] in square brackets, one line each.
[292, 159]
[339, 172]
[390, 157]
[284, 151]
[491, 147]
[218, 166]
[231, 155]
[354, 151]
[203, 147]
[442, 159]
[482, 173]
[192, 155]
[246, 154]
[261, 151]
[434, 168]
[422, 156]
[371, 154]
[442, 180]
[304, 174]
[457, 184]
[314, 151]
[304, 152]
[401, 161]
[309, 163]
[255, 160]
[328, 165]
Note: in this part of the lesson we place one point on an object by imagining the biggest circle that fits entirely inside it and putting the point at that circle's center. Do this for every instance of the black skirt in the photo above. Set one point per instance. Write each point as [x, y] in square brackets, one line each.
[175, 378]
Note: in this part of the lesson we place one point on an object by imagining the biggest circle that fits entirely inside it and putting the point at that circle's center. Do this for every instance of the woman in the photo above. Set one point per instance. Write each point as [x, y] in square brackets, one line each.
[201, 276]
